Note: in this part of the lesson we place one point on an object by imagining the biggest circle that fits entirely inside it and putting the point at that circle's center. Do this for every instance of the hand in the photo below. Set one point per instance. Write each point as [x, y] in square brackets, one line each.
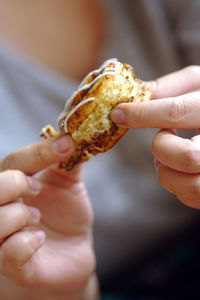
[177, 105]
[64, 260]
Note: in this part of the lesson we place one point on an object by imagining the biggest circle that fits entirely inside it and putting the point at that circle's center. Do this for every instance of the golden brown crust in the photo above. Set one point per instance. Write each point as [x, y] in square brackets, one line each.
[89, 123]
[99, 143]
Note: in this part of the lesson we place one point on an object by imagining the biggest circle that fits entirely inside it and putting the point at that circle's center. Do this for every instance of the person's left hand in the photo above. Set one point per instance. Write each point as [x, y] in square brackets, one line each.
[65, 260]
[176, 105]
[177, 162]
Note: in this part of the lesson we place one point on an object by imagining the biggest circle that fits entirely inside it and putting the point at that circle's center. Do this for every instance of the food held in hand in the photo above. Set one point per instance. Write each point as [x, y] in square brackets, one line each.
[86, 114]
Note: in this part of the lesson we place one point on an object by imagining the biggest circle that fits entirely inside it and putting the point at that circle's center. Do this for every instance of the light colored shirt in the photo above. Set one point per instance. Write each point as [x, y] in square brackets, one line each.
[133, 214]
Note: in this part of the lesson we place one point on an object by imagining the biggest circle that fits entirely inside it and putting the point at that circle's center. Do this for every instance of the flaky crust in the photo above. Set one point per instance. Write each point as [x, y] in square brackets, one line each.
[86, 115]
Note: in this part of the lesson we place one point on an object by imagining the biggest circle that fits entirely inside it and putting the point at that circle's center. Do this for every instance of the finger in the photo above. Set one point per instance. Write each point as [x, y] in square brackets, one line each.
[60, 177]
[179, 183]
[34, 158]
[17, 250]
[177, 83]
[196, 139]
[177, 153]
[179, 112]
[15, 216]
[15, 184]
[193, 203]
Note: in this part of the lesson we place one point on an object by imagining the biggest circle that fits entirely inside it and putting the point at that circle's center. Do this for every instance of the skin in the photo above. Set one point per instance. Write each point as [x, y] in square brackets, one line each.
[176, 105]
[28, 256]
[28, 260]
[53, 32]
[46, 247]
[61, 266]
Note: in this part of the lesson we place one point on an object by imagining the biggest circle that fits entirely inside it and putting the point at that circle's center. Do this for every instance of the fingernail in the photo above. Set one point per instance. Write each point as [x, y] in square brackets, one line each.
[40, 236]
[36, 215]
[34, 183]
[62, 145]
[117, 116]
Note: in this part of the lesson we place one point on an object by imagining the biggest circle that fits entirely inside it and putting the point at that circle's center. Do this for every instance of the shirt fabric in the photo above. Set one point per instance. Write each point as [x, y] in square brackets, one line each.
[132, 212]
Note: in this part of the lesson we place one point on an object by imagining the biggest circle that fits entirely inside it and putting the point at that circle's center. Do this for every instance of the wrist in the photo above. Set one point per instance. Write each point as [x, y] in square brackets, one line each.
[89, 292]
[10, 291]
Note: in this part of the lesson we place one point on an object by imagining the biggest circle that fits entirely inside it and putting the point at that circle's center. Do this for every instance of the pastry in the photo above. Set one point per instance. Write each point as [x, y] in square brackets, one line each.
[86, 114]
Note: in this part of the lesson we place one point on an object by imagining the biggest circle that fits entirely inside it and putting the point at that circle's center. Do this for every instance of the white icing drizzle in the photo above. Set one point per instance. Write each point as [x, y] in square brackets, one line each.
[73, 110]
[82, 87]
[107, 62]
[44, 131]
[87, 86]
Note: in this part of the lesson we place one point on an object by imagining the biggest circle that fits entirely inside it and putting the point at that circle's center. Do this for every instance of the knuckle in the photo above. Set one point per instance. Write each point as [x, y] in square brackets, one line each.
[156, 86]
[136, 115]
[12, 250]
[193, 70]
[22, 214]
[29, 242]
[195, 186]
[185, 201]
[154, 145]
[191, 159]
[18, 181]
[40, 154]
[177, 111]
[161, 177]
[8, 162]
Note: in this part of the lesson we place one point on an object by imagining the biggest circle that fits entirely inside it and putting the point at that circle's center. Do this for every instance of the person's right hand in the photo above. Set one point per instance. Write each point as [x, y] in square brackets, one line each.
[176, 104]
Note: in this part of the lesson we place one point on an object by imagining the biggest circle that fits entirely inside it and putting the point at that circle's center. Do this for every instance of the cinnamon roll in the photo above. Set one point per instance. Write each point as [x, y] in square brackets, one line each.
[86, 114]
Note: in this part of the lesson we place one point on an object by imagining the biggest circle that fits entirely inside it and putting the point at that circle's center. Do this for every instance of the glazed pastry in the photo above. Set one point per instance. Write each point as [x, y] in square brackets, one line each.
[86, 114]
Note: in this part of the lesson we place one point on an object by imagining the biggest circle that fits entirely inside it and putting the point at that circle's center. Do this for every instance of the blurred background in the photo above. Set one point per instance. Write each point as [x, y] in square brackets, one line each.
[146, 241]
